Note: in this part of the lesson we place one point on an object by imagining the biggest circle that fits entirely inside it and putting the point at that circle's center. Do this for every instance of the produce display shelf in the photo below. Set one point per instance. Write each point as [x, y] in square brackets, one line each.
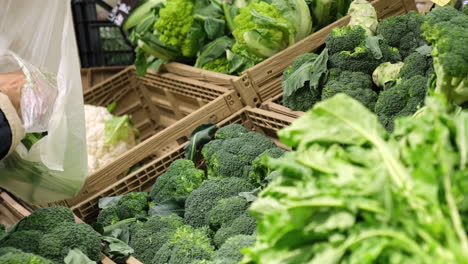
[94, 75]
[159, 104]
[263, 81]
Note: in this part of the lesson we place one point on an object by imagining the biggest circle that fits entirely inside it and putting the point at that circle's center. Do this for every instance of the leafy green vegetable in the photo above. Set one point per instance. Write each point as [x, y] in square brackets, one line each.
[119, 128]
[75, 256]
[200, 136]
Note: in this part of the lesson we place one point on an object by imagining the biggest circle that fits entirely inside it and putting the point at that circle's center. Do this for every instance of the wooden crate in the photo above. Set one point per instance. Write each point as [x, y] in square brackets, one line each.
[11, 211]
[154, 102]
[95, 75]
[260, 82]
[384, 9]
[424, 6]
[255, 119]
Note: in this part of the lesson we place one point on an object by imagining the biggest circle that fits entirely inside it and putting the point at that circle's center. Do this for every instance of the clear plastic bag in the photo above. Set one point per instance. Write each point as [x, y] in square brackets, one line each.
[40, 37]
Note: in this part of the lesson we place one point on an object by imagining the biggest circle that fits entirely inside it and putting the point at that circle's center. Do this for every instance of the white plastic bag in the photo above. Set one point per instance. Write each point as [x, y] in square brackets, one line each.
[41, 34]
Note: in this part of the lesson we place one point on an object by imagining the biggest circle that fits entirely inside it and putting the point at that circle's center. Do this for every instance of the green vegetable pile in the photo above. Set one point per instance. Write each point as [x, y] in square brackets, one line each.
[388, 66]
[192, 216]
[352, 193]
[224, 36]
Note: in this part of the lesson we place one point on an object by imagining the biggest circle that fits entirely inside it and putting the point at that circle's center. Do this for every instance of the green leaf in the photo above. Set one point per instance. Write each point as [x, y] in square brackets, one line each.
[75, 256]
[200, 136]
[140, 62]
[311, 72]
[373, 44]
[156, 65]
[424, 50]
[118, 128]
[213, 50]
[214, 27]
[109, 201]
[238, 63]
[116, 249]
[168, 207]
[111, 107]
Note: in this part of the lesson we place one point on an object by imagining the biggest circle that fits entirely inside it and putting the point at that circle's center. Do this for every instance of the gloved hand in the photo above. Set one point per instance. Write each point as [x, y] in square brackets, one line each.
[32, 92]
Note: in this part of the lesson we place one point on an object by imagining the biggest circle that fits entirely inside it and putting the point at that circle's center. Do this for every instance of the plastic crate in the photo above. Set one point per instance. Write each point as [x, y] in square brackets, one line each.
[255, 119]
[165, 108]
[262, 82]
[100, 42]
[95, 75]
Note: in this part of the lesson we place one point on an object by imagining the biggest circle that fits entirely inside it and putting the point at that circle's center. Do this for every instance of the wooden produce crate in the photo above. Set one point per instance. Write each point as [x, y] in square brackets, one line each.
[262, 81]
[11, 211]
[95, 75]
[255, 119]
[154, 102]
[384, 9]
[424, 6]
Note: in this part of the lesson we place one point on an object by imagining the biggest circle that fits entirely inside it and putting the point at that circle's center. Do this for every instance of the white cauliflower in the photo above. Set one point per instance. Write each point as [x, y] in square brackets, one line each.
[99, 152]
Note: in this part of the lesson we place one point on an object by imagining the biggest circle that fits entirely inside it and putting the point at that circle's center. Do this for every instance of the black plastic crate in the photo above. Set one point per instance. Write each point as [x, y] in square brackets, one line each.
[100, 42]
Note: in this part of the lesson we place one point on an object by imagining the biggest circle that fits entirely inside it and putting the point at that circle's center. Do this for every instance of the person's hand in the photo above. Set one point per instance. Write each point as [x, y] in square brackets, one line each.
[11, 85]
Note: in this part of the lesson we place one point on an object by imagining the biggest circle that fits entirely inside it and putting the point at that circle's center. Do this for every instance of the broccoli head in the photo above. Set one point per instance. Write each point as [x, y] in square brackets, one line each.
[345, 39]
[415, 64]
[259, 170]
[132, 204]
[108, 216]
[403, 99]
[45, 219]
[226, 210]
[148, 238]
[66, 236]
[361, 59]
[177, 182]
[201, 201]
[245, 224]
[233, 156]
[303, 98]
[231, 251]
[231, 131]
[185, 246]
[357, 85]
[403, 32]
[26, 240]
[15, 256]
[445, 28]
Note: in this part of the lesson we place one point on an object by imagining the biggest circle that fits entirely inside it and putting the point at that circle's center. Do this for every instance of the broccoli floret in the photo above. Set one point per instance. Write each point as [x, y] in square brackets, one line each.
[415, 64]
[149, 237]
[403, 32]
[45, 219]
[231, 131]
[231, 251]
[345, 39]
[132, 204]
[357, 85]
[445, 28]
[360, 59]
[245, 224]
[26, 240]
[177, 182]
[2, 230]
[402, 99]
[108, 216]
[185, 246]
[259, 171]
[226, 210]
[233, 156]
[15, 256]
[200, 202]
[56, 244]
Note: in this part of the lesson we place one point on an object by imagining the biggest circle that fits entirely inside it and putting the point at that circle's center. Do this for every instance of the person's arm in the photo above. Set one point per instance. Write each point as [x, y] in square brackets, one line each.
[11, 128]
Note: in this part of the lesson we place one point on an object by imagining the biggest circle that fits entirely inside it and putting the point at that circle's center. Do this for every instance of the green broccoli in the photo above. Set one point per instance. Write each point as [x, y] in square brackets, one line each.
[415, 64]
[345, 39]
[231, 251]
[132, 204]
[403, 99]
[403, 32]
[177, 182]
[233, 156]
[305, 97]
[148, 238]
[45, 219]
[26, 240]
[15, 256]
[259, 171]
[357, 85]
[2, 230]
[231, 131]
[446, 29]
[56, 244]
[245, 224]
[108, 216]
[200, 202]
[226, 210]
[185, 246]
[217, 65]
